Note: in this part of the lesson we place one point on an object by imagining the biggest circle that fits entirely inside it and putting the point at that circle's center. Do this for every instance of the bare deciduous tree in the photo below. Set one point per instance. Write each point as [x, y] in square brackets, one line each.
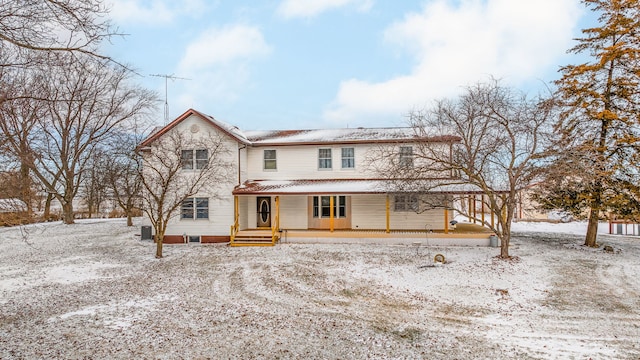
[495, 136]
[32, 32]
[95, 185]
[88, 102]
[18, 123]
[166, 182]
[33, 26]
[123, 176]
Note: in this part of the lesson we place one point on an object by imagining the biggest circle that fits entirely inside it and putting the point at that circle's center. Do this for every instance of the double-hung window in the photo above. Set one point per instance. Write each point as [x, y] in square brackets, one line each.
[405, 203]
[322, 206]
[195, 159]
[202, 158]
[406, 157]
[324, 159]
[269, 160]
[348, 158]
[195, 208]
[187, 159]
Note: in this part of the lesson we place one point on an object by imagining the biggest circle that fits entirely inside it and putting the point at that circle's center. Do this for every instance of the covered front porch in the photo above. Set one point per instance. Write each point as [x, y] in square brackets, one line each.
[355, 211]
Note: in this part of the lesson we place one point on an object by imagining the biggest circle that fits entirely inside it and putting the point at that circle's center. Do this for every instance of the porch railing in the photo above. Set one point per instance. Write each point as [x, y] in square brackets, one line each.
[234, 231]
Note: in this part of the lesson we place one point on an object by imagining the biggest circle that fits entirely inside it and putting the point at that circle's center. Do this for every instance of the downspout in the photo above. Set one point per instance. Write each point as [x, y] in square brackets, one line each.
[239, 167]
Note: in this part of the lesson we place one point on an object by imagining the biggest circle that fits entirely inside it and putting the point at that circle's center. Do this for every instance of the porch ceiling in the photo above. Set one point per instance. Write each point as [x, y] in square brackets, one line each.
[345, 186]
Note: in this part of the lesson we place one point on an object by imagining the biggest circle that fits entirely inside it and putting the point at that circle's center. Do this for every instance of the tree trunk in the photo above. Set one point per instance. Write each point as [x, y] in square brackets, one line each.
[592, 228]
[504, 245]
[25, 184]
[67, 213]
[128, 211]
[47, 207]
[159, 237]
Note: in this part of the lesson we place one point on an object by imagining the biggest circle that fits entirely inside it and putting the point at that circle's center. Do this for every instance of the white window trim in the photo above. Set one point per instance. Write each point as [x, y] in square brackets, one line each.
[188, 239]
[329, 158]
[195, 209]
[410, 203]
[342, 158]
[264, 160]
[406, 160]
[336, 207]
[194, 159]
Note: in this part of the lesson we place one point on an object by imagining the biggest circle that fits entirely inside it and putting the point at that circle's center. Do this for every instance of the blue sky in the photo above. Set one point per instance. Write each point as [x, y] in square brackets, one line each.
[291, 64]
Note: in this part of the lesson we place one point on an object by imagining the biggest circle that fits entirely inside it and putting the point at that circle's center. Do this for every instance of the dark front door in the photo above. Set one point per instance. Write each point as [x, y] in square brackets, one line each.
[264, 211]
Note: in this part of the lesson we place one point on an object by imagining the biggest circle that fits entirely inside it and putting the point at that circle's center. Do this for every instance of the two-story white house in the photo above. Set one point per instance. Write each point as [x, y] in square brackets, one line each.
[308, 185]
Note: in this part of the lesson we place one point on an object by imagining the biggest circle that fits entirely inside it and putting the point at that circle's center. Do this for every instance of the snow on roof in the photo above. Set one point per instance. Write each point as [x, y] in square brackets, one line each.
[347, 135]
[313, 136]
[338, 186]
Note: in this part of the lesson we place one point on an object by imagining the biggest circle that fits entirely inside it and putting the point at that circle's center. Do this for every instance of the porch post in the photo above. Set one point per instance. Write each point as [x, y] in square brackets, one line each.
[387, 215]
[470, 207]
[277, 213]
[236, 212]
[446, 220]
[331, 214]
[475, 212]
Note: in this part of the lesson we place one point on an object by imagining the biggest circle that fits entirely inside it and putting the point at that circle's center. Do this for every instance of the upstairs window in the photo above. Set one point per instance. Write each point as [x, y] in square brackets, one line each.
[348, 158]
[202, 158]
[406, 157]
[195, 208]
[405, 203]
[195, 159]
[324, 159]
[269, 160]
[187, 159]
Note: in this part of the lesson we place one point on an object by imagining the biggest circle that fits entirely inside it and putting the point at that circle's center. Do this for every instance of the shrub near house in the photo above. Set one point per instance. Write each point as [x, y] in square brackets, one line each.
[13, 212]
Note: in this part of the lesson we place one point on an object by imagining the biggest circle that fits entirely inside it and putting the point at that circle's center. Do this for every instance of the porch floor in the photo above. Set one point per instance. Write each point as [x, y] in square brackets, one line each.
[463, 235]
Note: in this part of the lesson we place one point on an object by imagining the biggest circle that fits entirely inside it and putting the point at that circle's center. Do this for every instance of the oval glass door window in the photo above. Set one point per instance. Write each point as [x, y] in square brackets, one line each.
[264, 211]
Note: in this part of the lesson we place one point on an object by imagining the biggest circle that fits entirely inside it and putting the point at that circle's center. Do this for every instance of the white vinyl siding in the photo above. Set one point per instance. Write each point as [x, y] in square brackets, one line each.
[301, 162]
[293, 214]
[220, 200]
[369, 212]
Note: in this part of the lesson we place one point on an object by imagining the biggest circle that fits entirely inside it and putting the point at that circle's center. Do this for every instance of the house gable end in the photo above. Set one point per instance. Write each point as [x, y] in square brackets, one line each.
[226, 129]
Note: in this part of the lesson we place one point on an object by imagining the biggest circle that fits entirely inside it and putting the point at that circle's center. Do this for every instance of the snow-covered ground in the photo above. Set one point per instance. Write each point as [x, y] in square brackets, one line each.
[93, 290]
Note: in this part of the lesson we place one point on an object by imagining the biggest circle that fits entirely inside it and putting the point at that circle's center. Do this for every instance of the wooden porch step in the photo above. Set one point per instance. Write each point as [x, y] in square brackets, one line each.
[252, 240]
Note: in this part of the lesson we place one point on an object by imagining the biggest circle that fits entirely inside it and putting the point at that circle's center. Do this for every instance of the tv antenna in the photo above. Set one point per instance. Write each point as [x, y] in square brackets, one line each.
[166, 92]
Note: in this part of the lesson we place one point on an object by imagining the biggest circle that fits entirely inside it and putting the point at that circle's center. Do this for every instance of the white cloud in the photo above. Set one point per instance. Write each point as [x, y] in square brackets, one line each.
[218, 63]
[152, 11]
[311, 8]
[456, 43]
[224, 46]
